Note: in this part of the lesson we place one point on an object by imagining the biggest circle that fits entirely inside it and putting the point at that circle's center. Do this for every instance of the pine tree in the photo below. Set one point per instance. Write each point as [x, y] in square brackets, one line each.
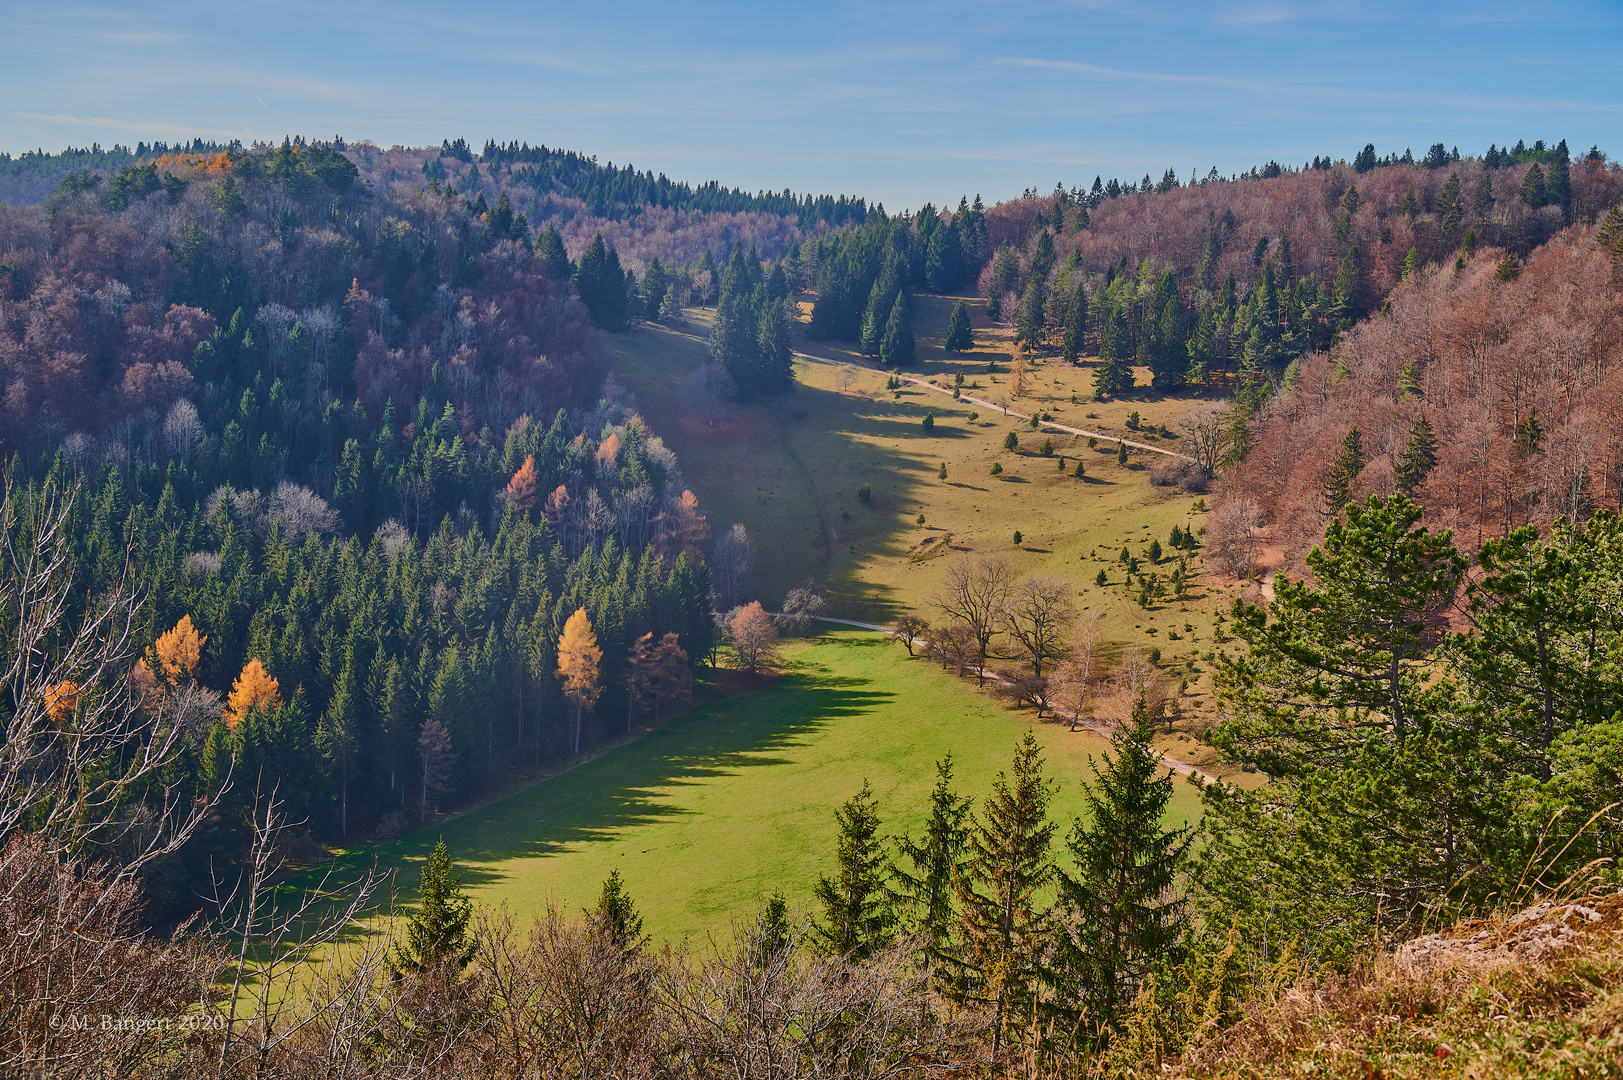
[960, 337]
[856, 913]
[1348, 289]
[1508, 269]
[1419, 456]
[1000, 924]
[1484, 196]
[1119, 915]
[897, 347]
[437, 932]
[924, 894]
[1336, 488]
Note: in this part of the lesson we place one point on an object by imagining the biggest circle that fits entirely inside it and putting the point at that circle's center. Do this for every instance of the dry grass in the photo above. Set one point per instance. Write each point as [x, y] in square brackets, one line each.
[1536, 994]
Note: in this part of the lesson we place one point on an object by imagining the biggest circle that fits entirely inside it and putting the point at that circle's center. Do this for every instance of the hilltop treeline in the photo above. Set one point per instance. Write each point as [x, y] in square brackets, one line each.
[360, 451]
[1223, 283]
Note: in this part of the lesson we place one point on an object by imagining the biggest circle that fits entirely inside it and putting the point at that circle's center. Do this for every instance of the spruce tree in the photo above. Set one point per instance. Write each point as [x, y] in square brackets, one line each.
[1112, 376]
[1029, 326]
[1336, 488]
[549, 245]
[1076, 322]
[897, 347]
[1484, 196]
[615, 913]
[1532, 190]
[923, 894]
[1419, 456]
[437, 932]
[1450, 211]
[960, 337]
[856, 912]
[1119, 915]
[1000, 924]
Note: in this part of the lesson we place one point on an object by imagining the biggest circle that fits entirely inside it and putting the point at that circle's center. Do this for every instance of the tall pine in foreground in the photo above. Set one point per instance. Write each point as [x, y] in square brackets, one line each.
[437, 932]
[924, 893]
[1120, 914]
[1000, 924]
[856, 917]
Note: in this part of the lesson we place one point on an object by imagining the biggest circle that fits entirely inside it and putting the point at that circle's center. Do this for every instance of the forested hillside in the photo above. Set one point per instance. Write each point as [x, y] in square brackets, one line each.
[358, 451]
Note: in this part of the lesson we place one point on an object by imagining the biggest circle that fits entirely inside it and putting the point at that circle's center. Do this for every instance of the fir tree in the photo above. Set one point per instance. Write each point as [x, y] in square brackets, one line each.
[1029, 325]
[960, 338]
[1336, 488]
[897, 347]
[1419, 456]
[1000, 923]
[1450, 211]
[437, 932]
[1076, 322]
[616, 914]
[1112, 377]
[856, 912]
[1120, 917]
[1484, 196]
[1532, 191]
[923, 893]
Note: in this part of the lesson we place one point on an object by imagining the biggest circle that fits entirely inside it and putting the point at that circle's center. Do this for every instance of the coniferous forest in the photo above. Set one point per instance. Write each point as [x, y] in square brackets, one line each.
[325, 515]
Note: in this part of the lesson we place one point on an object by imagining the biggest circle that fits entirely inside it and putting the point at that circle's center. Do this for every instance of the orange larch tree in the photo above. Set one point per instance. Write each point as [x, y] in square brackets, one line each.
[254, 686]
[524, 488]
[578, 657]
[179, 651]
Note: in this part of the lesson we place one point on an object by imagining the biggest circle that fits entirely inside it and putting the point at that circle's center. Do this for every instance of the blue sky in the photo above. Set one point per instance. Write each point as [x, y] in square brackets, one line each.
[900, 102]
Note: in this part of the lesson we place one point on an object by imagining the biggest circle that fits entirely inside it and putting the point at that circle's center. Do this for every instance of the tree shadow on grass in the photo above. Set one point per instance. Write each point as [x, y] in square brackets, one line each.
[626, 787]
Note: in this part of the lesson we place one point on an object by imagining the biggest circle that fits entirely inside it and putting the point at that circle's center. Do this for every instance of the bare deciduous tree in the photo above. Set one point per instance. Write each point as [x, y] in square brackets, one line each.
[731, 560]
[1038, 614]
[976, 595]
[709, 390]
[1231, 537]
[1204, 429]
[1074, 676]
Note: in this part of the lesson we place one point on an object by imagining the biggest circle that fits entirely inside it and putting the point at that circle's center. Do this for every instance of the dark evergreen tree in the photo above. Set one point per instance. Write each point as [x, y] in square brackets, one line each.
[616, 914]
[1450, 211]
[1419, 456]
[1120, 911]
[923, 893]
[960, 336]
[437, 932]
[1336, 489]
[1001, 925]
[896, 349]
[1076, 323]
[857, 918]
[1533, 193]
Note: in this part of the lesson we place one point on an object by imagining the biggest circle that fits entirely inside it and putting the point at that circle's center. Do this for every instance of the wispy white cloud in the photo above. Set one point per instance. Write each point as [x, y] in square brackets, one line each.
[1081, 68]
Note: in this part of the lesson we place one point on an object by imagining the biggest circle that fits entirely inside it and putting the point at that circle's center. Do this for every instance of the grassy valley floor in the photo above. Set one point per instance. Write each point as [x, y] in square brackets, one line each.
[736, 800]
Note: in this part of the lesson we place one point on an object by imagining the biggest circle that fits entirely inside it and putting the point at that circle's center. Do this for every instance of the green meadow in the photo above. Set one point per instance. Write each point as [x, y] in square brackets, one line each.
[735, 801]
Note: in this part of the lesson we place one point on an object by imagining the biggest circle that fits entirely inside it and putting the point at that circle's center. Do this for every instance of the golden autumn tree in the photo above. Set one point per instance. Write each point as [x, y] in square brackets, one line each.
[524, 488]
[254, 686]
[179, 651]
[578, 658]
[60, 701]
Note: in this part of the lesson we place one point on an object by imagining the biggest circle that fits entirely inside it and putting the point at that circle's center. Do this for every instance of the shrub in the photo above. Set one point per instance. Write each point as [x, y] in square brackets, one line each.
[1092, 442]
[1101, 580]
[1155, 655]
[1034, 423]
[1017, 538]
[1121, 453]
[864, 493]
[941, 473]
[1048, 449]
[919, 519]
[1132, 419]
[929, 422]
[1011, 441]
[1078, 471]
[997, 468]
